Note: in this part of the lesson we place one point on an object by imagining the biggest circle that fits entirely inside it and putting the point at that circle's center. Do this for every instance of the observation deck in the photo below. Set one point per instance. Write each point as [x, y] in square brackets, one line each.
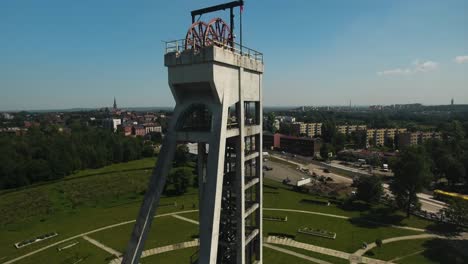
[175, 53]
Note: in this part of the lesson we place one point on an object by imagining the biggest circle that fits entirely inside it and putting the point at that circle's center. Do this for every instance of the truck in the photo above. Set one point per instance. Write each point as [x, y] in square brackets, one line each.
[385, 167]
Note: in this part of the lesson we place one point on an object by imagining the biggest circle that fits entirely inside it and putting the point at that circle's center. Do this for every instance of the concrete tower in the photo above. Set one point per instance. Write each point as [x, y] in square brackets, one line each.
[217, 86]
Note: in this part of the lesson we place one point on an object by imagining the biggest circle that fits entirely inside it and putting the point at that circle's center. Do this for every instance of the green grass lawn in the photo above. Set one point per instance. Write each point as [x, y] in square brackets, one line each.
[422, 251]
[349, 236]
[165, 230]
[83, 250]
[75, 206]
[97, 198]
[324, 257]
[181, 256]
[194, 216]
[277, 195]
[143, 164]
[275, 257]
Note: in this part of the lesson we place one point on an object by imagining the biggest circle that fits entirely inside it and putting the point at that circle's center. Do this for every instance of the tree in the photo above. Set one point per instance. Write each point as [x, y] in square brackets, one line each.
[457, 211]
[181, 178]
[369, 189]
[455, 172]
[412, 174]
[339, 141]
[359, 138]
[181, 155]
[389, 143]
[378, 242]
[328, 131]
[156, 137]
[270, 121]
[148, 151]
[325, 149]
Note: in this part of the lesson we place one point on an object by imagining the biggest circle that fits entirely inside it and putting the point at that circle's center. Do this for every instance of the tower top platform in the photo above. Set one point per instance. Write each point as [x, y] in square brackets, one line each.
[177, 55]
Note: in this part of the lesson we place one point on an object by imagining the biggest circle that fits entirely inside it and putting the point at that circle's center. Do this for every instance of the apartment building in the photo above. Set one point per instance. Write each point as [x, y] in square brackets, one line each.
[416, 138]
[308, 129]
[378, 136]
[298, 145]
[348, 129]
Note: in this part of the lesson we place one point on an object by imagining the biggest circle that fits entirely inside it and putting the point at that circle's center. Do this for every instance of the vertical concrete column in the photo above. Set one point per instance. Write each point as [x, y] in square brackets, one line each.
[240, 176]
[260, 174]
[201, 176]
[212, 193]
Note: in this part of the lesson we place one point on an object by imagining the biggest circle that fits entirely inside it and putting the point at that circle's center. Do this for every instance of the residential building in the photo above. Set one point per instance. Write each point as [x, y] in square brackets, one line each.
[111, 123]
[348, 129]
[416, 138]
[138, 130]
[307, 129]
[152, 127]
[286, 119]
[298, 145]
[377, 137]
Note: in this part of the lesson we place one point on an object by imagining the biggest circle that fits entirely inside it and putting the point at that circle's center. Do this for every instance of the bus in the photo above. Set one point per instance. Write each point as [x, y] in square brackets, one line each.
[444, 196]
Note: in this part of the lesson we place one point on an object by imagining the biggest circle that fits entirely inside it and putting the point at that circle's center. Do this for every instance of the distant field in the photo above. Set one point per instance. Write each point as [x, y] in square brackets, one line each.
[93, 199]
[422, 251]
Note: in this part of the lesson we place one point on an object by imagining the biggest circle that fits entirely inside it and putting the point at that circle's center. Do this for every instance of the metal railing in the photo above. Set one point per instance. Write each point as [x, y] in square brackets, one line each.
[179, 47]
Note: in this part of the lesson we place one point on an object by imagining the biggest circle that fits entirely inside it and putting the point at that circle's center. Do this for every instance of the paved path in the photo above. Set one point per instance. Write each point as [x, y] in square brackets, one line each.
[342, 217]
[102, 246]
[306, 212]
[409, 255]
[159, 250]
[186, 219]
[87, 233]
[372, 245]
[302, 256]
[326, 251]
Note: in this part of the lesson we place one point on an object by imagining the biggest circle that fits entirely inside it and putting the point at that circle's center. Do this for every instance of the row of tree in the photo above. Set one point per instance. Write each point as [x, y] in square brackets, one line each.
[44, 154]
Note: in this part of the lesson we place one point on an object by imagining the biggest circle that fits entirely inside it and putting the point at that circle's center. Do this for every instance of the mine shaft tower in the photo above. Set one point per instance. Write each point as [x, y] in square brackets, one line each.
[217, 86]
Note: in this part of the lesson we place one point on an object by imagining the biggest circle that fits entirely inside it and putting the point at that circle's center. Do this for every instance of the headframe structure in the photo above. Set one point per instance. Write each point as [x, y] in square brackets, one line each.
[217, 86]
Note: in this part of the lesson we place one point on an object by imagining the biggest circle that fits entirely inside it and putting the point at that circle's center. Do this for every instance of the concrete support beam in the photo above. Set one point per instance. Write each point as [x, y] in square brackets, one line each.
[251, 209]
[212, 189]
[251, 236]
[152, 196]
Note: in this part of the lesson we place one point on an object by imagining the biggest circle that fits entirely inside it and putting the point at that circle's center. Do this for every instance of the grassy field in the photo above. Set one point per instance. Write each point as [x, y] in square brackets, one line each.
[349, 236]
[183, 256]
[71, 207]
[85, 251]
[165, 230]
[323, 257]
[275, 257]
[277, 195]
[422, 251]
[93, 199]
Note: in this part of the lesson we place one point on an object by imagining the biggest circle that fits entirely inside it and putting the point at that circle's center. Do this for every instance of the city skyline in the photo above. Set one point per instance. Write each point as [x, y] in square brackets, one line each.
[63, 55]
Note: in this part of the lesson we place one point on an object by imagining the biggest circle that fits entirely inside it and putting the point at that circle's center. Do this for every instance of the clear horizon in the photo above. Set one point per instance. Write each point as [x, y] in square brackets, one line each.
[65, 54]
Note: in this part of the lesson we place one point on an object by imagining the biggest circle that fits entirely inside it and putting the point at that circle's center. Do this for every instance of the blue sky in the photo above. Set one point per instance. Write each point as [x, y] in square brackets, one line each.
[66, 54]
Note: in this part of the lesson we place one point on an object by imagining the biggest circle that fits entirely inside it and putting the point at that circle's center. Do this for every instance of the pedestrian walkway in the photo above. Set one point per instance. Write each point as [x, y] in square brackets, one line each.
[102, 246]
[372, 245]
[159, 250]
[87, 233]
[326, 251]
[186, 219]
[292, 253]
[343, 217]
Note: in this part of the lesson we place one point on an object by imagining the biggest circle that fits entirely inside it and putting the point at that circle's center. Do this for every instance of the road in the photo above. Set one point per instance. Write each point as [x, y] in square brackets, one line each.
[428, 203]
[281, 172]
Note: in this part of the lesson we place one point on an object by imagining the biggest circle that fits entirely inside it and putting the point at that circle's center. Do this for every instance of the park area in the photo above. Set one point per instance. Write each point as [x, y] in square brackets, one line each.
[93, 211]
